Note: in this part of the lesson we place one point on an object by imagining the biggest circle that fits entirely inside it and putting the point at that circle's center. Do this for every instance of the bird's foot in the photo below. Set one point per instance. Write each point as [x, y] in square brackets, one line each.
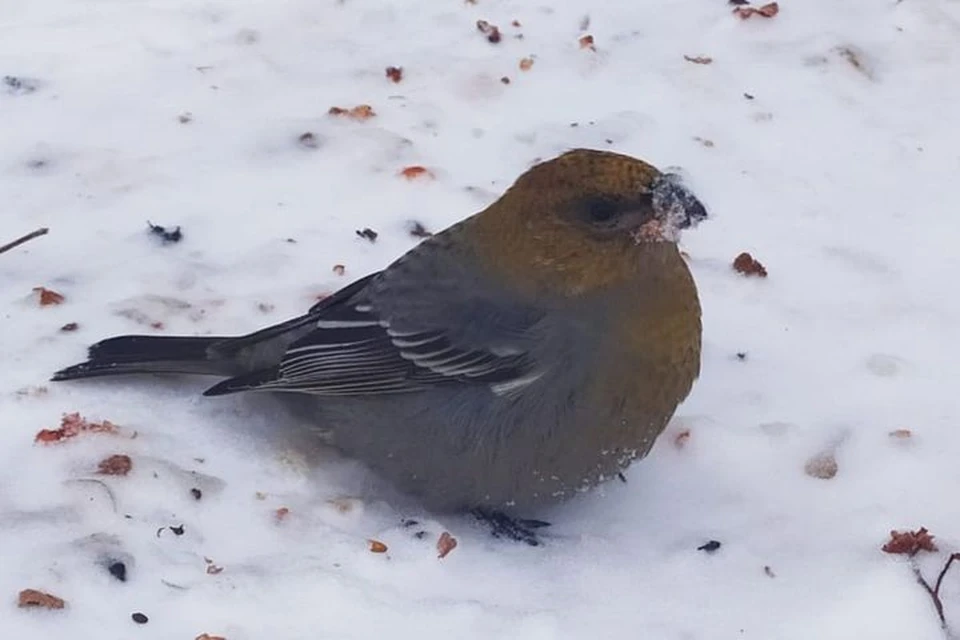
[517, 529]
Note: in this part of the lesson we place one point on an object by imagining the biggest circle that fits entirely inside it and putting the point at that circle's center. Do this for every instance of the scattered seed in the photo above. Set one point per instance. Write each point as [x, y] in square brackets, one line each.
[749, 266]
[308, 139]
[139, 618]
[118, 570]
[710, 546]
[490, 30]
[445, 544]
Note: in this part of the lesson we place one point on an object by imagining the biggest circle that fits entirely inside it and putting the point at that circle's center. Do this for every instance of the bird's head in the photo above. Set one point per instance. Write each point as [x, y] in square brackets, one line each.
[585, 218]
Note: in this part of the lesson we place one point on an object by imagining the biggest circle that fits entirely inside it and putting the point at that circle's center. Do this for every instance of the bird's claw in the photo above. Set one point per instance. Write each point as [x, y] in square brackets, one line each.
[517, 529]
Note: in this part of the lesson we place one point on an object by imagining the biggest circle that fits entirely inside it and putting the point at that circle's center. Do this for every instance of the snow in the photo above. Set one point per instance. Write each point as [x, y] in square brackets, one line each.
[839, 177]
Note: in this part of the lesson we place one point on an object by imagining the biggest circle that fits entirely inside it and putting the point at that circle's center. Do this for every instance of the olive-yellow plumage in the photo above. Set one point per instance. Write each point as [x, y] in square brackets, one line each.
[511, 361]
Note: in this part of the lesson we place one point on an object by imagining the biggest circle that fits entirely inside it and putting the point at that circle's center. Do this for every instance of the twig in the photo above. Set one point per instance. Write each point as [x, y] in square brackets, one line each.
[27, 238]
[934, 591]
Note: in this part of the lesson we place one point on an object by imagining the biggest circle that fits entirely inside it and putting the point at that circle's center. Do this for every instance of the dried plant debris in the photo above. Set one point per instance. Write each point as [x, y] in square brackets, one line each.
[368, 234]
[22, 239]
[910, 542]
[196, 493]
[48, 297]
[747, 265]
[491, 31]
[207, 636]
[901, 434]
[72, 425]
[33, 598]
[167, 235]
[698, 59]
[586, 42]
[339, 269]
[376, 546]
[115, 465]
[394, 74]
[69, 327]
[526, 63]
[746, 11]
[445, 544]
[360, 112]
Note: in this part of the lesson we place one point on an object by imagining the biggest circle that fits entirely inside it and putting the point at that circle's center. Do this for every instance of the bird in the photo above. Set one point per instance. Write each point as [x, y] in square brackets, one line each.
[521, 357]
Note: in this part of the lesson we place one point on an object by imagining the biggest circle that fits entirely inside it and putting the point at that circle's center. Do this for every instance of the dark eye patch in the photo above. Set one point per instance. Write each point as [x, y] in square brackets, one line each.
[606, 211]
[602, 210]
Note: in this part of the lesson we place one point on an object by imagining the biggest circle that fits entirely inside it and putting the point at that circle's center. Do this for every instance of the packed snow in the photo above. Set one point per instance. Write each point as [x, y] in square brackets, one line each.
[825, 141]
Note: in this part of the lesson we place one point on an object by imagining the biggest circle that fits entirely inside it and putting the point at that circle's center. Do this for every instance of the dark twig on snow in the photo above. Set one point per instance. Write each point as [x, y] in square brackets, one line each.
[27, 238]
[934, 591]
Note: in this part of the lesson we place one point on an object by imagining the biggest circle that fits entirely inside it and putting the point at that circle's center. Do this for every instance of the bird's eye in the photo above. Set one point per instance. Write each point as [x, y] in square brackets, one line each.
[602, 210]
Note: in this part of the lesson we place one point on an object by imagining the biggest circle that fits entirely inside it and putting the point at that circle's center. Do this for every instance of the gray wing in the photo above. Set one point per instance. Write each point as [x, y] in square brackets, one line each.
[427, 320]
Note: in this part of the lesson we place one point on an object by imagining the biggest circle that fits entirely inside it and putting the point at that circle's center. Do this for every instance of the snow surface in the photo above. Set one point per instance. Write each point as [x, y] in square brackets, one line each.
[839, 177]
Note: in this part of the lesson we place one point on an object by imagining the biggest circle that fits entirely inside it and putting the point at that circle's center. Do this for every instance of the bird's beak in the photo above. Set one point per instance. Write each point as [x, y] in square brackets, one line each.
[675, 203]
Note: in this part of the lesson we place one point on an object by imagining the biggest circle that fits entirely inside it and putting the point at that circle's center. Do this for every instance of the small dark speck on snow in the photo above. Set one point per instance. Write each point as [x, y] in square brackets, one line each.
[368, 233]
[170, 236]
[710, 546]
[18, 86]
[118, 570]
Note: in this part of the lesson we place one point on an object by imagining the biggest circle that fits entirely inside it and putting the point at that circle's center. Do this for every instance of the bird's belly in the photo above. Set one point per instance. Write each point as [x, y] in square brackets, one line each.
[455, 452]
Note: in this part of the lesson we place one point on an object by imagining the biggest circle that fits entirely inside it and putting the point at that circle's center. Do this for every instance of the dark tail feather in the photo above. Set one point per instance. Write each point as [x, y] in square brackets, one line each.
[150, 354]
[246, 382]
